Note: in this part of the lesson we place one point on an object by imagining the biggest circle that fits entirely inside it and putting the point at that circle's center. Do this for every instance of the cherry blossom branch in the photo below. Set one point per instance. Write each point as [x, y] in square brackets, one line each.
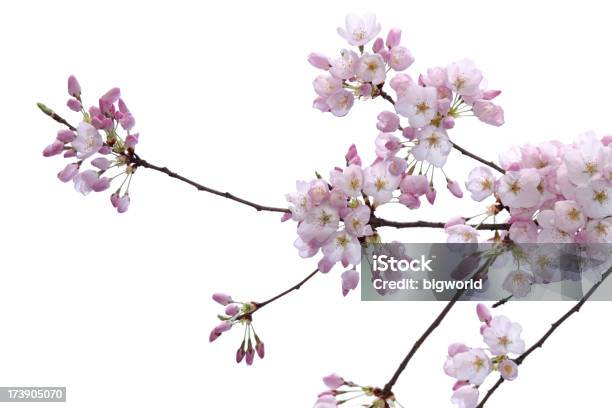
[464, 151]
[381, 222]
[478, 158]
[519, 360]
[297, 286]
[502, 301]
[387, 390]
[259, 207]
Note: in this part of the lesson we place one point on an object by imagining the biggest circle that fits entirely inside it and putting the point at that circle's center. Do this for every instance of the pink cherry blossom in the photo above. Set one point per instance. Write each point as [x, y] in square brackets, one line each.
[433, 146]
[400, 58]
[464, 78]
[350, 280]
[481, 183]
[387, 121]
[319, 61]
[418, 104]
[461, 234]
[88, 140]
[508, 370]
[465, 397]
[503, 336]
[488, 112]
[340, 103]
[371, 68]
[520, 188]
[345, 67]
[359, 30]
[379, 183]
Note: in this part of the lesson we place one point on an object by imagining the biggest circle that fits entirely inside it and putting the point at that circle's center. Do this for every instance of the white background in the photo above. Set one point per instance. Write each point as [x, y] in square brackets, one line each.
[117, 307]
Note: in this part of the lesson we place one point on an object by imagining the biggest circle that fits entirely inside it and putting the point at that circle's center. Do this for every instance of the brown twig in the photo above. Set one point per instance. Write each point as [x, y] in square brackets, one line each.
[381, 222]
[291, 289]
[259, 207]
[387, 390]
[538, 344]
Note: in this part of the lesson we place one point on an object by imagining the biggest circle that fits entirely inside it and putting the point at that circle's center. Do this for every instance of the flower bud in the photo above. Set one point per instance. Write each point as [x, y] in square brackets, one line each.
[111, 96]
[410, 201]
[261, 350]
[74, 89]
[454, 221]
[454, 188]
[232, 309]
[240, 353]
[319, 61]
[431, 195]
[101, 184]
[102, 163]
[490, 94]
[484, 315]
[53, 149]
[394, 37]
[409, 133]
[66, 136]
[333, 381]
[250, 354]
[68, 172]
[222, 298]
[378, 44]
[448, 122]
[74, 105]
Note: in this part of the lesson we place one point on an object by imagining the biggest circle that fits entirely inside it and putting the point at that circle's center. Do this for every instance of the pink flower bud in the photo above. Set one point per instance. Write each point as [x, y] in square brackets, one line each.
[261, 350]
[102, 163]
[123, 204]
[232, 309]
[101, 184]
[378, 45]
[410, 201]
[333, 381]
[250, 354]
[222, 298]
[319, 61]
[483, 328]
[350, 280]
[606, 140]
[122, 106]
[448, 122]
[74, 105]
[105, 150]
[68, 172]
[131, 141]
[240, 353]
[213, 336]
[484, 315]
[286, 217]
[409, 133]
[454, 188]
[114, 199]
[53, 149]
[223, 327]
[111, 96]
[66, 136]
[490, 94]
[394, 37]
[70, 153]
[416, 185]
[488, 112]
[127, 122]
[431, 195]
[74, 89]
[338, 198]
[387, 121]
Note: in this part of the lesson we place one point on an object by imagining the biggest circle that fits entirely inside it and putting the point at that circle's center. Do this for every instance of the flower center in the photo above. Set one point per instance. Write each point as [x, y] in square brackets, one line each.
[486, 184]
[600, 196]
[422, 107]
[380, 184]
[514, 187]
[573, 214]
[503, 341]
[433, 141]
[324, 218]
[342, 241]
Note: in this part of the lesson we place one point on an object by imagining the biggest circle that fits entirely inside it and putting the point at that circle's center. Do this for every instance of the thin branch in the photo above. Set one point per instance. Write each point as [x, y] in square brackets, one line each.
[259, 207]
[520, 359]
[49, 112]
[291, 289]
[502, 301]
[478, 158]
[381, 222]
[387, 390]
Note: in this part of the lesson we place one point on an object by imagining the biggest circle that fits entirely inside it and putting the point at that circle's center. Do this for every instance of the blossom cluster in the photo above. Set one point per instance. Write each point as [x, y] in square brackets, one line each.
[340, 391]
[471, 366]
[97, 140]
[554, 192]
[435, 100]
[236, 313]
